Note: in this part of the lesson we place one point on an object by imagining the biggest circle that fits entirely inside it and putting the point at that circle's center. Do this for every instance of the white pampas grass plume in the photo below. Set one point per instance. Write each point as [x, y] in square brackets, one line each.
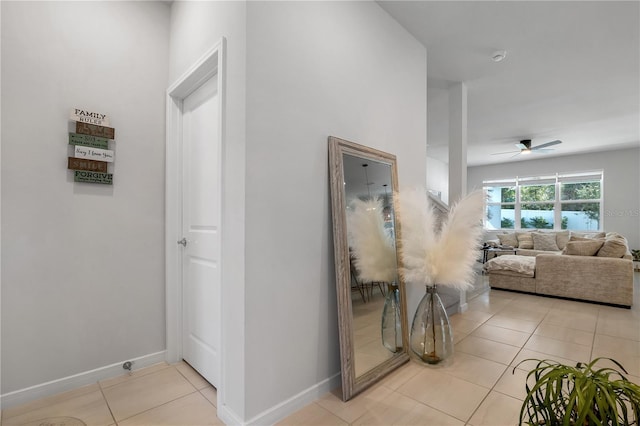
[372, 247]
[446, 257]
[418, 236]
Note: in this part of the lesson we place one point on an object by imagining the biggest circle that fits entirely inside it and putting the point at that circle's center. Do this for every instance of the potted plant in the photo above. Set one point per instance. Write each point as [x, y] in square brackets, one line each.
[580, 395]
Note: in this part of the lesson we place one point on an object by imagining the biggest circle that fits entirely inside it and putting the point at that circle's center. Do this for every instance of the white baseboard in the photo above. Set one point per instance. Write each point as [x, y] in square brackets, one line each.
[228, 417]
[293, 404]
[77, 380]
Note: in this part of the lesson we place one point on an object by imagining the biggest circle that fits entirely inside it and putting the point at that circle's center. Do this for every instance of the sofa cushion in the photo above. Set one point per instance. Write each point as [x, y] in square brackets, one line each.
[525, 240]
[589, 234]
[562, 238]
[512, 264]
[615, 245]
[583, 248]
[577, 238]
[508, 239]
[531, 252]
[544, 241]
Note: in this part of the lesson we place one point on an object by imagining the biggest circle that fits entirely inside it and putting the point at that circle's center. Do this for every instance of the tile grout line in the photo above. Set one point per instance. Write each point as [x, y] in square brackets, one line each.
[327, 410]
[157, 406]
[432, 407]
[593, 341]
[207, 399]
[131, 375]
[508, 367]
[466, 422]
[514, 367]
[115, 422]
[197, 390]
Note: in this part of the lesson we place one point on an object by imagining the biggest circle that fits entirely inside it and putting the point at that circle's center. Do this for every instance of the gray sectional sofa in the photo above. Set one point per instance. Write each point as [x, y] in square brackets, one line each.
[604, 276]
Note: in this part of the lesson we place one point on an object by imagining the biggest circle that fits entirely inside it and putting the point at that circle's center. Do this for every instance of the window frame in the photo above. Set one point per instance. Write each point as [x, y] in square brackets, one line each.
[557, 180]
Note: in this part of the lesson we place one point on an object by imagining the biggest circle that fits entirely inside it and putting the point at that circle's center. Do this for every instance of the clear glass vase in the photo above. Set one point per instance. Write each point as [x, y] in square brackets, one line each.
[391, 325]
[431, 336]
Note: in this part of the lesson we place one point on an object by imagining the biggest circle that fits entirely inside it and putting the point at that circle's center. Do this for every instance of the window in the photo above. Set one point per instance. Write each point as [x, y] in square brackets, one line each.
[561, 201]
[501, 203]
[581, 201]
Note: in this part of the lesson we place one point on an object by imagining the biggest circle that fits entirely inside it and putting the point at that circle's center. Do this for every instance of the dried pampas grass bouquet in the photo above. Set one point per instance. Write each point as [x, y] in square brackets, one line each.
[434, 255]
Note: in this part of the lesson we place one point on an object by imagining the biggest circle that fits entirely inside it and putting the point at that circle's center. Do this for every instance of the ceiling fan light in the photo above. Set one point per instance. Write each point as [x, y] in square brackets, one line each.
[498, 55]
[526, 152]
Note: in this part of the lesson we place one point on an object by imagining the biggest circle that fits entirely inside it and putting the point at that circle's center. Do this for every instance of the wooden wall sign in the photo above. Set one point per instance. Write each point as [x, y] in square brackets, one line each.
[93, 177]
[95, 130]
[93, 153]
[86, 140]
[90, 117]
[89, 165]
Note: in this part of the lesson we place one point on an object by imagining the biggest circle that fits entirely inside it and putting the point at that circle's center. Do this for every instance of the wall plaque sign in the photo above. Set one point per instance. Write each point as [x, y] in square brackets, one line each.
[93, 177]
[90, 117]
[86, 140]
[93, 153]
[95, 130]
[89, 165]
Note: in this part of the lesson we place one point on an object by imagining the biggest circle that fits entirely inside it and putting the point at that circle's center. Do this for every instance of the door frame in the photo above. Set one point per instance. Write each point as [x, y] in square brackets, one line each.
[210, 64]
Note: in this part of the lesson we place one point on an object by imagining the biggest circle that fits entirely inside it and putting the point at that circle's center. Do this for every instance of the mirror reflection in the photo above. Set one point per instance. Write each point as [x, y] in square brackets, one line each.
[377, 330]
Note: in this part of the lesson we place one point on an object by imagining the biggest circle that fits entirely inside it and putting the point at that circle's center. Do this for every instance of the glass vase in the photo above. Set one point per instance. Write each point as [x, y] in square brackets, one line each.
[431, 336]
[391, 325]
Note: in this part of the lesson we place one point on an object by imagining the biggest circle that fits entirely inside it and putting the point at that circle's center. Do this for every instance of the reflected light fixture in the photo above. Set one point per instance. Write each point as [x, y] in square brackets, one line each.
[366, 178]
[498, 55]
[386, 211]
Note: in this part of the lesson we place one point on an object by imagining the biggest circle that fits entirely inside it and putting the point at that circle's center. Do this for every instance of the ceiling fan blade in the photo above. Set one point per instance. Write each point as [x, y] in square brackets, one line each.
[521, 146]
[516, 155]
[544, 145]
[507, 152]
[542, 151]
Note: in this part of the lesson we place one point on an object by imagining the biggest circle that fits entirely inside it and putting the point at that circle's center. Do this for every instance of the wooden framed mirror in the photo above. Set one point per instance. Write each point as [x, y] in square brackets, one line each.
[359, 174]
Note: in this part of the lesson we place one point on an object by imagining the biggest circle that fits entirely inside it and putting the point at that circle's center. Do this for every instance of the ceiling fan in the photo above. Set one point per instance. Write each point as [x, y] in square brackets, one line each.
[525, 148]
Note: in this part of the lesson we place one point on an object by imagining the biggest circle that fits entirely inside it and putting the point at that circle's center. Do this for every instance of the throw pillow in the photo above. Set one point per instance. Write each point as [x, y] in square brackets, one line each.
[583, 248]
[615, 245]
[525, 240]
[544, 241]
[508, 239]
[591, 235]
[562, 238]
[576, 238]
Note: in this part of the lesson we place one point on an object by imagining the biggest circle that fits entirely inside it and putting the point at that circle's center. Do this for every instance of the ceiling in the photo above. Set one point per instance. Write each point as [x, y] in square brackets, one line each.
[572, 72]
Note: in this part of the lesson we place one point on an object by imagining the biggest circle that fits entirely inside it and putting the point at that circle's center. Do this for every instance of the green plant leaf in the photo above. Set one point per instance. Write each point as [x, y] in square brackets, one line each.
[580, 395]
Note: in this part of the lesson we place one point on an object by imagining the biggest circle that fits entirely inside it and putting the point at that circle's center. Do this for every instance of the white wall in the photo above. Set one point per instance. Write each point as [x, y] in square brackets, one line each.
[195, 28]
[621, 176]
[438, 177]
[314, 69]
[82, 264]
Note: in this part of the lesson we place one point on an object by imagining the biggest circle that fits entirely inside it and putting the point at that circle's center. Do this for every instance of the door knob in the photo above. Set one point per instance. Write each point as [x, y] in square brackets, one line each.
[183, 241]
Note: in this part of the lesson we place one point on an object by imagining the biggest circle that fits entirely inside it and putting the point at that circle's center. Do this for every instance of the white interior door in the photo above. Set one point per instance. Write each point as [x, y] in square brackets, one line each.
[201, 189]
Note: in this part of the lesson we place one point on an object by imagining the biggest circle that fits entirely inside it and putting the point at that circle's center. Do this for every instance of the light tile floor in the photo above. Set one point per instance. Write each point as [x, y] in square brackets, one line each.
[479, 386]
[162, 394]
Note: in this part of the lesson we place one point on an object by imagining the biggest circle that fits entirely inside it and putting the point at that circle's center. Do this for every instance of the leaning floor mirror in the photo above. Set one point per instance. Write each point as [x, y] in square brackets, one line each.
[371, 295]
